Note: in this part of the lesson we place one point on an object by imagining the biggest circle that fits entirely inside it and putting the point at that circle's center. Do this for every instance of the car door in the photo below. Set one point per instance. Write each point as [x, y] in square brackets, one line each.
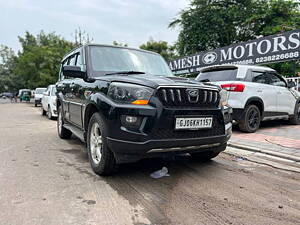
[64, 91]
[285, 99]
[75, 103]
[265, 91]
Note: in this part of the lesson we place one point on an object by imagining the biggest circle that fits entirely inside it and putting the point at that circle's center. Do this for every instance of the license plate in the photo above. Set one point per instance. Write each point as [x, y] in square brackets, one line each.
[193, 123]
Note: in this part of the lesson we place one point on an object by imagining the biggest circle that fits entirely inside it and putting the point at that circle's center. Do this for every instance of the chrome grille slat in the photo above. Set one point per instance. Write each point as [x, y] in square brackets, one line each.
[172, 95]
[179, 97]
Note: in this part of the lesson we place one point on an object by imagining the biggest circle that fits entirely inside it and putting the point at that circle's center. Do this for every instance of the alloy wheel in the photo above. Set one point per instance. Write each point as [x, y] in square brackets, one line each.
[253, 119]
[96, 143]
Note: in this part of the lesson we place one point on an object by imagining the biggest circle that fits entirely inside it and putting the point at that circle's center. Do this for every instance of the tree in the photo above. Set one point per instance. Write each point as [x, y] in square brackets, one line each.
[7, 64]
[38, 63]
[210, 24]
[160, 47]
[120, 44]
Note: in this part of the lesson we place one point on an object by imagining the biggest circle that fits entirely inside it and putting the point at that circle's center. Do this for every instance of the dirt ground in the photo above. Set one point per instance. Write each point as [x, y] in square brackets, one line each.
[46, 180]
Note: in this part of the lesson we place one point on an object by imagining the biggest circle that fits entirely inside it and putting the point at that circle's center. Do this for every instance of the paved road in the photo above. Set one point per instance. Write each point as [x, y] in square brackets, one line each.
[45, 180]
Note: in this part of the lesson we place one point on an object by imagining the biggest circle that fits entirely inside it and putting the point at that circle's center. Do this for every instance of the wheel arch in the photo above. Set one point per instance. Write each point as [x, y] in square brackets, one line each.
[257, 102]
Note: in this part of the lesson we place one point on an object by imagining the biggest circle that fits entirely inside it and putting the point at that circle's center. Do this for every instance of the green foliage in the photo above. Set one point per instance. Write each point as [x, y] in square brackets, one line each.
[37, 64]
[161, 47]
[210, 24]
[120, 44]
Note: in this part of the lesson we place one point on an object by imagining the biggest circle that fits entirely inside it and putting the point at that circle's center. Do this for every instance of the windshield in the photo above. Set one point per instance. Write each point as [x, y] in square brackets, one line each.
[111, 59]
[53, 92]
[40, 90]
[218, 75]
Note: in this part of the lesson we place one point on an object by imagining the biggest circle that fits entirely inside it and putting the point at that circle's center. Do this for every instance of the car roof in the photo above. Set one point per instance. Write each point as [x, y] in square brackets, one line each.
[237, 66]
[105, 45]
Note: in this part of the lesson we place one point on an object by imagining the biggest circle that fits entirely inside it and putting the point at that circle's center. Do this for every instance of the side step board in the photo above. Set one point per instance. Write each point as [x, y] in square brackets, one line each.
[76, 131]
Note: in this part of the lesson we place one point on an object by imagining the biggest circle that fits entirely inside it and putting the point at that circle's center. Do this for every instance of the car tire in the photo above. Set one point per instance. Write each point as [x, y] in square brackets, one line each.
[63, 133]
[101, 158]
[208, 154]
[35, 105]
[49, 113]
[251, 119]
[43, 111]
[295, 119]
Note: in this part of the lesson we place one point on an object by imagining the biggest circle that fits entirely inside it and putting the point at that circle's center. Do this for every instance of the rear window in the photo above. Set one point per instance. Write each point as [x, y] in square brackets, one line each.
[218, 75]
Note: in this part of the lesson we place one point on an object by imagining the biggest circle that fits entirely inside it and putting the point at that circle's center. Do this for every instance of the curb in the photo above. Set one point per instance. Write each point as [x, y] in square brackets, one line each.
[268, 152]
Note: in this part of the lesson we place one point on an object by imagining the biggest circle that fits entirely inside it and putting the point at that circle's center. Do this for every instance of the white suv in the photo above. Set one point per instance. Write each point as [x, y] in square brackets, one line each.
[256, 93]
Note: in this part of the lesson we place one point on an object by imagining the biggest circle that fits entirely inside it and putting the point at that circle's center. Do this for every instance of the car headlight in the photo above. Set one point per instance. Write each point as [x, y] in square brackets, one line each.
[130, 93]
[223, 98]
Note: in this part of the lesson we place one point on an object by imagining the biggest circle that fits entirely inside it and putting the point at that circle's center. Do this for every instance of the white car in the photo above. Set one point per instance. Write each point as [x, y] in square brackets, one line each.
[255, 93]
[49, 102]
[38, 94]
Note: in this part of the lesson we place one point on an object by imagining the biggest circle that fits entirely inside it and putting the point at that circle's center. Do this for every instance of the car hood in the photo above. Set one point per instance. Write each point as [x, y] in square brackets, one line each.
[156, 81]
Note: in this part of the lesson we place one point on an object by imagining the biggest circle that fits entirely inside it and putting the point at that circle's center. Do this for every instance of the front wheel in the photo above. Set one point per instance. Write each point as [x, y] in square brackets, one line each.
[49, 113]
[251, 120]
[101, 158]
[295, 119]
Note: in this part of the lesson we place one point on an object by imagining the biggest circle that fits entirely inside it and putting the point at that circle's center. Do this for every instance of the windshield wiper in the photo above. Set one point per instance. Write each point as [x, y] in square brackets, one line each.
[126, 72]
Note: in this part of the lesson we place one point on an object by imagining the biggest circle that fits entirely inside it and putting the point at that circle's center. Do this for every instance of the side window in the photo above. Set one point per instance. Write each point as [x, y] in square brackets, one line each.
[79, 61]
[276, 81]
[260, 77]
[72, 61]
[64, 63]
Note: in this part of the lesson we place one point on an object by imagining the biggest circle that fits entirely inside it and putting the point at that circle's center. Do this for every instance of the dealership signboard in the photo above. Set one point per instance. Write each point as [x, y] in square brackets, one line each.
[270, 49]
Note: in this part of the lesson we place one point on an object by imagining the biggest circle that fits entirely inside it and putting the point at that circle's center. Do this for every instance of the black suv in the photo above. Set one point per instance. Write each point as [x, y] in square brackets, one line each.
[127, 105]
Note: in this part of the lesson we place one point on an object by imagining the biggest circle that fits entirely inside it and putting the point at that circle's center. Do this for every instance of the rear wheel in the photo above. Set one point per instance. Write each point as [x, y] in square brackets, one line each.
[251, 120]
[101, 158]
[295, 119]
[63, 133]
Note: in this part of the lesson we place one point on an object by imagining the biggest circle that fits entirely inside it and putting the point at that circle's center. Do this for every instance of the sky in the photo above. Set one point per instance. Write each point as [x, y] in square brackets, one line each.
[127, 21]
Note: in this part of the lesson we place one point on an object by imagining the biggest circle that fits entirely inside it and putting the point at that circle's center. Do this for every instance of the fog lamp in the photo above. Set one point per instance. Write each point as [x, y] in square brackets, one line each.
[131, 119]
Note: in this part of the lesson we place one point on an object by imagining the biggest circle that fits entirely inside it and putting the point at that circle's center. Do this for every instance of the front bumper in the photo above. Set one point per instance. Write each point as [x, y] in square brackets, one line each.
[156, 134]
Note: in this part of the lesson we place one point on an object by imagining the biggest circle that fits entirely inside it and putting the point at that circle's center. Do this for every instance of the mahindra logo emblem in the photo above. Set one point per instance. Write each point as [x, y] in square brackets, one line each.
[193, 95]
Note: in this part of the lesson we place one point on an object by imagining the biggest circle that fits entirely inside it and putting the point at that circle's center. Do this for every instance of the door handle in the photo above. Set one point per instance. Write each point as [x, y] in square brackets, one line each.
[259, 90]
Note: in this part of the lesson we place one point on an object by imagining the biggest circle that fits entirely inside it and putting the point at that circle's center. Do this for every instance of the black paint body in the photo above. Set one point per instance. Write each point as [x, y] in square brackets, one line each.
[80, 98]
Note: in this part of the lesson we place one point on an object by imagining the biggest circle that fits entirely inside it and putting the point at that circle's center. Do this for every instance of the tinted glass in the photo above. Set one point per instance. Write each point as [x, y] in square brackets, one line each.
[40, 90]
[110, 59]
[275, 80]
[218, 75]
[260, 77]
[53, 92]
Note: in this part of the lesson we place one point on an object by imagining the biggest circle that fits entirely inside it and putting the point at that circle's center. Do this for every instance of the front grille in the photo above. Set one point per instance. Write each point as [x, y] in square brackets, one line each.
[174, 97]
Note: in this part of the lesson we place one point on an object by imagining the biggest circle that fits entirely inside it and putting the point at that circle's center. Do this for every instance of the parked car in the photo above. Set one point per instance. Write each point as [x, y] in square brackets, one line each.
[5, 95]
[38, 94]
[127, 105]
[49, 102]
[256, 94]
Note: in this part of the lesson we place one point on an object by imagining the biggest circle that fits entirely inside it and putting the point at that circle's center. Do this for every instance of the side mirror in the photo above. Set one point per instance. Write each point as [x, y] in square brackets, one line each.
[73, 71]
[291, 84]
